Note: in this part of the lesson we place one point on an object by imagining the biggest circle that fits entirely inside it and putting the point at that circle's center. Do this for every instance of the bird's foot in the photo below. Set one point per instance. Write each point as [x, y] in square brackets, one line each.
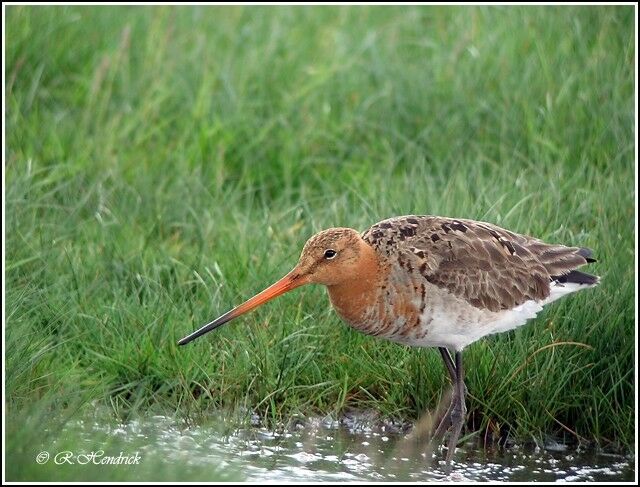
[452, 421]
[457, 417]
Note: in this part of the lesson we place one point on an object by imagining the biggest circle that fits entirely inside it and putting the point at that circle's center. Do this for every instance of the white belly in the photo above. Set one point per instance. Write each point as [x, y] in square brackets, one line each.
[449, 321]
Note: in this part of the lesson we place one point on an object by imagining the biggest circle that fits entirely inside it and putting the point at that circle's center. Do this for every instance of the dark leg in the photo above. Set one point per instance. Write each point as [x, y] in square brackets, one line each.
[458, 410]
[448, 362]
[445, 421]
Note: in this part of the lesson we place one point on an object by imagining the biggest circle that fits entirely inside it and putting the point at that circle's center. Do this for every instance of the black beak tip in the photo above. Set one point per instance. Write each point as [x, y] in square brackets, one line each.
[206, 329]
[187, 339]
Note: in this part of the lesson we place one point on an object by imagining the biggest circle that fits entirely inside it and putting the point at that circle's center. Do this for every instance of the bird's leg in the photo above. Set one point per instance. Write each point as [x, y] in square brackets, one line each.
[445, 421]
[448, 362]
[458, 411]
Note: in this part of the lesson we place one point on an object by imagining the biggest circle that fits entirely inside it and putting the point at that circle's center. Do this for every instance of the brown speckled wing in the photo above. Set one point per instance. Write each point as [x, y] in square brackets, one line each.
[486, 265]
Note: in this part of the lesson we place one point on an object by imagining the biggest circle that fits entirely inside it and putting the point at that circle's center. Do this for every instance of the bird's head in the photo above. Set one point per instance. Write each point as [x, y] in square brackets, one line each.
[330, 257]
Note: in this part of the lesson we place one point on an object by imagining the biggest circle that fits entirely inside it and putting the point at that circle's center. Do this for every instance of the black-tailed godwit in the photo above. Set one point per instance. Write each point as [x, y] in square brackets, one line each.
[431, 281]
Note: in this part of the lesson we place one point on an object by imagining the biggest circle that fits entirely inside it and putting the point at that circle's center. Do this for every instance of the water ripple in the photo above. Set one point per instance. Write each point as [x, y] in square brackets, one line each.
[327, 450]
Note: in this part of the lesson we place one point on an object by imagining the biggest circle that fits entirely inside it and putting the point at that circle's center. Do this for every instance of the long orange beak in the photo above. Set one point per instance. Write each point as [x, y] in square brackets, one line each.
[287, 283]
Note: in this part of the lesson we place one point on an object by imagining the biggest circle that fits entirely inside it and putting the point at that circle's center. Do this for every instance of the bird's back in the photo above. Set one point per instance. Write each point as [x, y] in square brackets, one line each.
[464, 279]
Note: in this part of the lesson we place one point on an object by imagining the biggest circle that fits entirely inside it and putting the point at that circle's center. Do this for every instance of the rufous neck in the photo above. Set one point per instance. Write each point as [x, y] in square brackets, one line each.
[352, 297]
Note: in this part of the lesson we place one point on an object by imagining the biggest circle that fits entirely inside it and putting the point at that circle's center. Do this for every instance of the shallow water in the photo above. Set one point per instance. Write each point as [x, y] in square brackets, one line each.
[328, 450]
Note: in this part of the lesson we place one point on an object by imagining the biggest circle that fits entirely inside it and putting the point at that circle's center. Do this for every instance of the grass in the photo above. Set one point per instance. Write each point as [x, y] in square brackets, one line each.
[163, 164]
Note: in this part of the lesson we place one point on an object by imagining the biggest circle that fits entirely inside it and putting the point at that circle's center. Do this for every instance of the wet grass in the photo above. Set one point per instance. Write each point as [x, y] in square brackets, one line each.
[163, 164]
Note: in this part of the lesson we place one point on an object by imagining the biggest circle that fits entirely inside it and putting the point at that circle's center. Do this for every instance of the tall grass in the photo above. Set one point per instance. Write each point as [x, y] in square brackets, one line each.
[163, 164]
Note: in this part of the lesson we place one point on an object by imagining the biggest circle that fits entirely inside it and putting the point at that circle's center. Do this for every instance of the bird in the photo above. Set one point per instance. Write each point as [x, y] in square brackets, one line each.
[432, 281]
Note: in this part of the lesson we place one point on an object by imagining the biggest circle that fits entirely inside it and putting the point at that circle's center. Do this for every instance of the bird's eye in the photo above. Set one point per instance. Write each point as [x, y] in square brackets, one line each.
[330, 254]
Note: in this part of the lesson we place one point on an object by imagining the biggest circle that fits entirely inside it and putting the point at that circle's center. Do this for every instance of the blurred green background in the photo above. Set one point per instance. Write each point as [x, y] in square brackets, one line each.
[165, 163]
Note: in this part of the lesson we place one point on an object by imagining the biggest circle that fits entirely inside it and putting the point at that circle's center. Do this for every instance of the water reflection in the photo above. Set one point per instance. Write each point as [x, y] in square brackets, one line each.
[328, 450]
